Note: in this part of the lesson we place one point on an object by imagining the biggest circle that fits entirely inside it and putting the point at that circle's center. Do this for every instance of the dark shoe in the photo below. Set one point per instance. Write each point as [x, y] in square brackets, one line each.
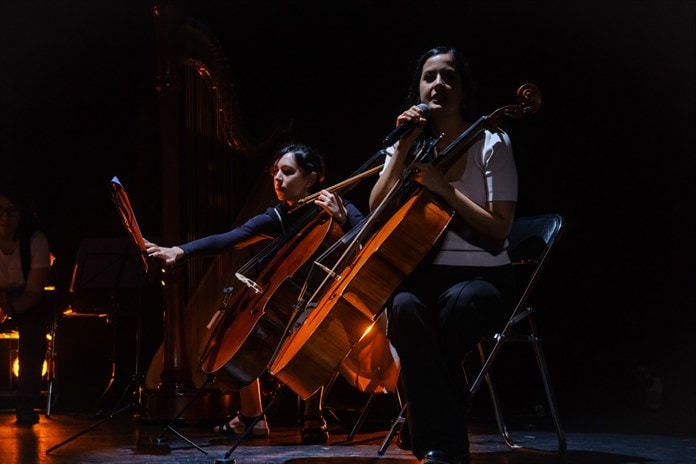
[314, 430]
[440, 457]
[239, 424]
[403, 441]
[27, 418]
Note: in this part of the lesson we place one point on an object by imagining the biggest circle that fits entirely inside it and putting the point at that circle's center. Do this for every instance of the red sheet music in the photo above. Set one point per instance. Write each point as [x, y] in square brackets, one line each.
[125, 210]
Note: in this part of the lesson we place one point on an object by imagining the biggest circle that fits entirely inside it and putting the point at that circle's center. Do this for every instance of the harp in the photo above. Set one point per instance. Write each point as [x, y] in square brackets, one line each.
[206, 161]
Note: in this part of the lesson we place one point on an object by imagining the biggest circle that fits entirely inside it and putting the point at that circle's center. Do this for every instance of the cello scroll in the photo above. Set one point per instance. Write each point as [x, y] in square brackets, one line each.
[529, 101]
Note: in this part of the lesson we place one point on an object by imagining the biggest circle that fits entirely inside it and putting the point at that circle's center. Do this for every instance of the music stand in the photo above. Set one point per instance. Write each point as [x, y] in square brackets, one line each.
[106, 263]
[113, 265]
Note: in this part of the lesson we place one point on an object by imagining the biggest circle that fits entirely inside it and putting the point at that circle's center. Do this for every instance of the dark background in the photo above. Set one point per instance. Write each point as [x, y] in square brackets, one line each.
[611, 148]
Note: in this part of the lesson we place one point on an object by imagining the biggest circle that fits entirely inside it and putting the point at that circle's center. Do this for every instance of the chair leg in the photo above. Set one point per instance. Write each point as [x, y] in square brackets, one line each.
[543, 370]
[326, 407]
[497, 409]
[361, 417]
[396, 426]
[550, 397]
[51, 366]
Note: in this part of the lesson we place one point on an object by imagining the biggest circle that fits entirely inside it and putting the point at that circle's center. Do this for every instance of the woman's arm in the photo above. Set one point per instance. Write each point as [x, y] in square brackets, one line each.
[254, 230]
[494, 220]
[395, 167]
[30, 297]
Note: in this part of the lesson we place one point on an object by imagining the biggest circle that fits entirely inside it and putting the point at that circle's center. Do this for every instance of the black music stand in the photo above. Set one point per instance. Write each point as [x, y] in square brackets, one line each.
[106, 263]
[109, 263]
[118, 267]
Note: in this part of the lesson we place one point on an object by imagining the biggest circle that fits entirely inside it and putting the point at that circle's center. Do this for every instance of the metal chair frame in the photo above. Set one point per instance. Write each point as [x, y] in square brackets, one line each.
[545, 229]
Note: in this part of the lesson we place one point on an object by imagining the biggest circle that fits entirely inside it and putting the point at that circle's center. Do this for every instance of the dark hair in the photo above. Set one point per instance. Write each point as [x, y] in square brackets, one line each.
[308, 159]
[28, 222]
[468, 106]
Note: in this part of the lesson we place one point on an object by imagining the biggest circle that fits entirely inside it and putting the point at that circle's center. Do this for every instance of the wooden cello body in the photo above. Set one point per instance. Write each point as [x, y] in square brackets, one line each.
[247, 328]
[344, 309]
[349, 306]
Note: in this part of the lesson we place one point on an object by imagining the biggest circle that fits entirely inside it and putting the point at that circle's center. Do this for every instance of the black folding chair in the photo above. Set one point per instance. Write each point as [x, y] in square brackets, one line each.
[531, 242]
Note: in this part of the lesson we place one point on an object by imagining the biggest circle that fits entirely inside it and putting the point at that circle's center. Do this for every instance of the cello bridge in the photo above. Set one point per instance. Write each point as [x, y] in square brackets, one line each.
[328, 271]
[248, 282]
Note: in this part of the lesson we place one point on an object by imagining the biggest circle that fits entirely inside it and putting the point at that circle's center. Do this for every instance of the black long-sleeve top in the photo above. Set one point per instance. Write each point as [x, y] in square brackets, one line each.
[268, 225]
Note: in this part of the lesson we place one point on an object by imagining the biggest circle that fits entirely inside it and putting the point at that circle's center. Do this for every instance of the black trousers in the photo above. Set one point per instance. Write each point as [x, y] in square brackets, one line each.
[435, 318]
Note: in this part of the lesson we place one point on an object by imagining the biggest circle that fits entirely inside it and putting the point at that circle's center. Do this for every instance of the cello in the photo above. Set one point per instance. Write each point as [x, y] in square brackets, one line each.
[345, 306]
[249, 324]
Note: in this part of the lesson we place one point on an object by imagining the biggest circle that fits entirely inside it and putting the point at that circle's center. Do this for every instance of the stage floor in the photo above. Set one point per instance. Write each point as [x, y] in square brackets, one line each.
[121, 438]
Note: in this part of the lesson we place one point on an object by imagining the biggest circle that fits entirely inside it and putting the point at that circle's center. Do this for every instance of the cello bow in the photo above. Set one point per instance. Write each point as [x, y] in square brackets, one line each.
[370, 172]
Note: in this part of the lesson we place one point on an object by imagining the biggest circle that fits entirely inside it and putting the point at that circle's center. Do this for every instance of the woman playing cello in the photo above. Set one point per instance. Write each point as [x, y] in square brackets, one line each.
[464, 287]
[297, 171]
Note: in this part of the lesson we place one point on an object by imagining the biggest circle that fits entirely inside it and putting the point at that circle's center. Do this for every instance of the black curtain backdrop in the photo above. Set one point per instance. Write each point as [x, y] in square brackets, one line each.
[611, 148]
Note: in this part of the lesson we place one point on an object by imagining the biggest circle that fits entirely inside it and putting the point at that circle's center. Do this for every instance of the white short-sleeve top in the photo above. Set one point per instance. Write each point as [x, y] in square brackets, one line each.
[11, 275]
[490, 175]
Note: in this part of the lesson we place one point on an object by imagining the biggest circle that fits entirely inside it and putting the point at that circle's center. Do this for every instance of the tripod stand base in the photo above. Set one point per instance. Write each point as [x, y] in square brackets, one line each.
[159, 441]
[211, 405]
[154, 446]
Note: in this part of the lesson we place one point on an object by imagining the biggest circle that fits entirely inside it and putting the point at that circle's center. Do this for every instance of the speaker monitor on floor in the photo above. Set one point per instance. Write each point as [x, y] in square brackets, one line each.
[8, 353]
[84, 360]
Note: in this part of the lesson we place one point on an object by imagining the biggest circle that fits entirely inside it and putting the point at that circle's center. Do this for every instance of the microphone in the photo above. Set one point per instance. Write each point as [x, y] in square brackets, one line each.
[404, 128]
